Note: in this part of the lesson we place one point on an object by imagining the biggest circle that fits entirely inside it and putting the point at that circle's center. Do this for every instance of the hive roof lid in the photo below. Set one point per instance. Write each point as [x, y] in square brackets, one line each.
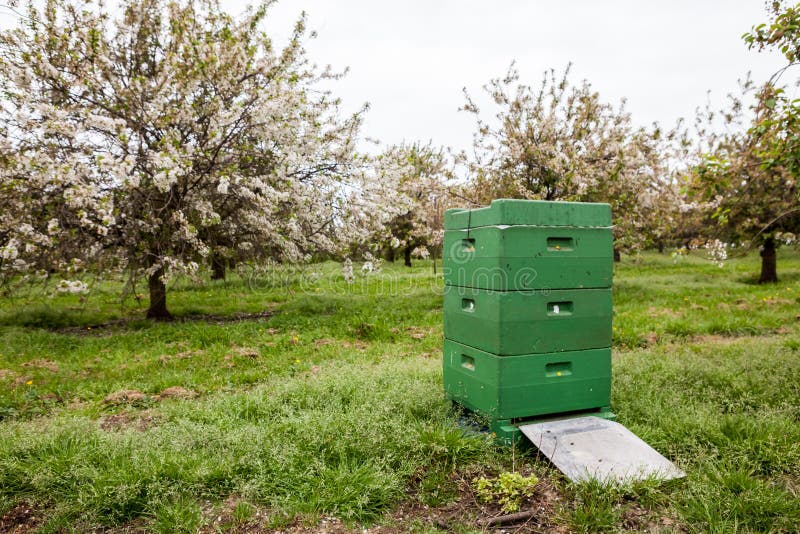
[530, 212]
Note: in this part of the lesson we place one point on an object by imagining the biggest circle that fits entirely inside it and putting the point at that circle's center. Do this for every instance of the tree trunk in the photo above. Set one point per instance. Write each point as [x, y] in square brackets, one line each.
[217, 267]
[407, 256]
[769, 263]
[158, 298]
[617, 255]
[660, 247]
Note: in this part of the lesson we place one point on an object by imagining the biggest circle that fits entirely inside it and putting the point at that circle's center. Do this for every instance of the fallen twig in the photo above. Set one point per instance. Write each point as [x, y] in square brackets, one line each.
[507, 519]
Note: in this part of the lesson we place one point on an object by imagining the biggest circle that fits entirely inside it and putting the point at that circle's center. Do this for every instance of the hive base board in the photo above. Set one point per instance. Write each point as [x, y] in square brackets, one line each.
[507, 431]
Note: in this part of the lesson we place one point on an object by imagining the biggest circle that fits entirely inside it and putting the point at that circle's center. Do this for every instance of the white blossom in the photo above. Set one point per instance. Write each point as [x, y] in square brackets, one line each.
[9, 252]
[222, 187]
[74, 287]
[421, 252]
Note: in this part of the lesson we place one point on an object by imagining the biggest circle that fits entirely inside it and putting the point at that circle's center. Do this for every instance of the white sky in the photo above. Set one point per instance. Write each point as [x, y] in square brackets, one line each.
[411, 59]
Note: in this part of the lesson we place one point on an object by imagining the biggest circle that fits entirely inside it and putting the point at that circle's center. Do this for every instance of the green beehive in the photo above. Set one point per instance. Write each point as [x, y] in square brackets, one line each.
[518, 245]
[528, 322]
[527, 310]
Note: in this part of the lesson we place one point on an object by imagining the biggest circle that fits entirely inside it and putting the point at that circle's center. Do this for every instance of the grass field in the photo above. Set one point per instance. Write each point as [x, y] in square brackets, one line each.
[323, 408]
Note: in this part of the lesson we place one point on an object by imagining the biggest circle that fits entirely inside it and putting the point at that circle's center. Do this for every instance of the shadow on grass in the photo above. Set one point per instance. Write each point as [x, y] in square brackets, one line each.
[67, 322]
[751, 279]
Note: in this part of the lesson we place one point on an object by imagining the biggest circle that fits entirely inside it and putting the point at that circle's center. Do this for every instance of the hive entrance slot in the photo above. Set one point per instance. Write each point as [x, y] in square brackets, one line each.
[558, 369]
[559, 308]
[468, 362]
[555, 244]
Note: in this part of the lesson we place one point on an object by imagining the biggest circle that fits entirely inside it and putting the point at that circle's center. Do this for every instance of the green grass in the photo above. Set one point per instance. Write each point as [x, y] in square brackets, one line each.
[332, 406]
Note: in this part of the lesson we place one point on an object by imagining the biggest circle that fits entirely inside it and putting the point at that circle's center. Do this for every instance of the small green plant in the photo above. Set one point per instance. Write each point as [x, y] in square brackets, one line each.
[243, 512]
[506, 489]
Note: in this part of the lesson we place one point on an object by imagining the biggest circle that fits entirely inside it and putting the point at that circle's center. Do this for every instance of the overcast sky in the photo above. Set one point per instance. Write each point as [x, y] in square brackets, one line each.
[410, 59]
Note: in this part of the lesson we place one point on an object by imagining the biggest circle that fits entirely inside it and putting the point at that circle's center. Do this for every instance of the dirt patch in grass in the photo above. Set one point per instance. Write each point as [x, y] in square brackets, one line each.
[124, 421]
[136, 397]
[42, 364]
[651, 338]
[360, 345]
[22, 381]
[663, 312]
[5, 374]
[21, 518]
[175, 392]
[246, 352]
[417, 332]
[636, 518]
[465, 512]
[536, 513]
[125, 396]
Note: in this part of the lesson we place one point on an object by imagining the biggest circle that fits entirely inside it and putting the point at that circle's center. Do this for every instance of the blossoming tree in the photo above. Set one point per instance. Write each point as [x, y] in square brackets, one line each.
[425, 175]
[561, 142]
[172, 133]
[749, 174]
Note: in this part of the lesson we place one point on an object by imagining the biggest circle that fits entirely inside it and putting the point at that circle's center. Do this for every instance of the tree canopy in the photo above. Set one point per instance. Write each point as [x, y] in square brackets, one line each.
[748, 174]
[169, 133]
[558, 141]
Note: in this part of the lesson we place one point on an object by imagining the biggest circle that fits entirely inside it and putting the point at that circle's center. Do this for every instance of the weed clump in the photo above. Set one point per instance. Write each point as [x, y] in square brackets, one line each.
[506, 489]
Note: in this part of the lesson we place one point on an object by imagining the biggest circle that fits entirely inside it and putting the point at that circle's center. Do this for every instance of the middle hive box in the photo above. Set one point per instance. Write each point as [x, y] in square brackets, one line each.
[508, 323]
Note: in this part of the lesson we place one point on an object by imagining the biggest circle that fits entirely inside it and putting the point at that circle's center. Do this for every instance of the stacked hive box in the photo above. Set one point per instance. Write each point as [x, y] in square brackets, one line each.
[527, 309]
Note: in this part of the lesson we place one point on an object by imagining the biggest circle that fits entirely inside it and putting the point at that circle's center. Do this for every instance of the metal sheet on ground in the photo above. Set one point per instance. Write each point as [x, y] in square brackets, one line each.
[586, 448]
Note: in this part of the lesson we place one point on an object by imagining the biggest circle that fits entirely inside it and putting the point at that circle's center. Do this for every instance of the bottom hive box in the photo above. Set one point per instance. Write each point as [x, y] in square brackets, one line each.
[508, 387]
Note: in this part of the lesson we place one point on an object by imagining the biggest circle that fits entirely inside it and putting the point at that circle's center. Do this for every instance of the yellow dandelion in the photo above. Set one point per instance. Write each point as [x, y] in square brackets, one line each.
[297, 361]
[29, 382]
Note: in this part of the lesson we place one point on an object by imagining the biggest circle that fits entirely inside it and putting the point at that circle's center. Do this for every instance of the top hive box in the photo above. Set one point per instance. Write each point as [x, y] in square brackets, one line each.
[529, 244]
[509, 212]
